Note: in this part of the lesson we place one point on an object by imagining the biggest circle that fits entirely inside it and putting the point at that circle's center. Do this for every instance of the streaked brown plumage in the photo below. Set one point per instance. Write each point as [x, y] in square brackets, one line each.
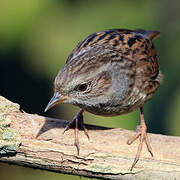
[110, 73]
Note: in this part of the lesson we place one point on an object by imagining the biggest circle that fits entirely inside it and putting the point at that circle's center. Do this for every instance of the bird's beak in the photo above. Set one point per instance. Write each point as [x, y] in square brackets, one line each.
[57, 98]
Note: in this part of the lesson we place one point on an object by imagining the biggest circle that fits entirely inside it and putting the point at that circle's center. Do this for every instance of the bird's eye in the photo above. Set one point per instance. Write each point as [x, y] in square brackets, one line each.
[82, 87]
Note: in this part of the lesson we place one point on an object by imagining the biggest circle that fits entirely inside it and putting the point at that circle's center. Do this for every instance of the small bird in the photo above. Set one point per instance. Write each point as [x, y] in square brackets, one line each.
[109, 73]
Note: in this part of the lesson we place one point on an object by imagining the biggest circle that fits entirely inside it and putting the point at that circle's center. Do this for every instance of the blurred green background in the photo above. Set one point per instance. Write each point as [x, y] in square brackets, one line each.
[36, 37]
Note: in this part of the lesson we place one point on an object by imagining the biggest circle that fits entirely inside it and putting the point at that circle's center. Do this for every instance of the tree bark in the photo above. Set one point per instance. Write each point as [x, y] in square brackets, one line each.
[38, 142]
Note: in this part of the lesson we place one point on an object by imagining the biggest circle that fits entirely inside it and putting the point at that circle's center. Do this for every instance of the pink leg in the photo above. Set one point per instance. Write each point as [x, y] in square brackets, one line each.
[142, 134]
[75, 123]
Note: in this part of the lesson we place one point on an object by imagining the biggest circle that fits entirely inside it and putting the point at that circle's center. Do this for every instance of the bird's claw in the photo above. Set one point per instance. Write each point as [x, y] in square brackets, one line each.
[142, 135]
[77, 123]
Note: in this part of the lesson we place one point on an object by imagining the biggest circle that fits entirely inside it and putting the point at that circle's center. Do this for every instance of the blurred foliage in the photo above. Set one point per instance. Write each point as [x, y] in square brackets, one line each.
[38, 35]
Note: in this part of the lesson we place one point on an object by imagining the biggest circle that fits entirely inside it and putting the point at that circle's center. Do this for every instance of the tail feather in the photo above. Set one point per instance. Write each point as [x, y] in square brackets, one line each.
[150, 34]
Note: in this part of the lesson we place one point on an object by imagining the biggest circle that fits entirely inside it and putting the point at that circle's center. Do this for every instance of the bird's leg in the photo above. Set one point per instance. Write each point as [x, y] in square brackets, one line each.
[76, 123]
[141, 133]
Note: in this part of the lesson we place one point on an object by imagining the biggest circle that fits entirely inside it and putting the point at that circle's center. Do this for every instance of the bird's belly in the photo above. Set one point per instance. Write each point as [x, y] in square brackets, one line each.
[112, 108]
[109, 110]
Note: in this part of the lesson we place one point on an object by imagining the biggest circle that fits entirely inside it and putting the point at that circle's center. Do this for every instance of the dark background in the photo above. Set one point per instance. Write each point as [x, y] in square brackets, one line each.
[36, 37]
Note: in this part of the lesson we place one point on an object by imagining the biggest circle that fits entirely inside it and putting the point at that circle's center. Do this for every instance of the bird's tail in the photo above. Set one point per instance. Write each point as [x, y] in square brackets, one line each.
[150, 34]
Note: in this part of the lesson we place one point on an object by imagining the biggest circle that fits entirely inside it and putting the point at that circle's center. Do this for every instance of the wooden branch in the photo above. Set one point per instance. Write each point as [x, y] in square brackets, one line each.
[39, 142]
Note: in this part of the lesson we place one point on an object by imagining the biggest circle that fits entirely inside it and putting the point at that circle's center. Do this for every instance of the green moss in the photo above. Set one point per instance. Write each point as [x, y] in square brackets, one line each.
[2, 118]
[102, 169]
[10, 141]
[7, 106]
[4, 121]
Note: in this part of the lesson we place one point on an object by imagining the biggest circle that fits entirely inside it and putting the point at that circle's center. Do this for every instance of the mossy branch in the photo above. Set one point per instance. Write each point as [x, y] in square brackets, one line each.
[38, 142]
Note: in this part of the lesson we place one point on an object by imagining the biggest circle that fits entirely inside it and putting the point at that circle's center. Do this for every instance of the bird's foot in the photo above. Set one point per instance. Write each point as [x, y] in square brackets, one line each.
[77, 123]
[142, 135]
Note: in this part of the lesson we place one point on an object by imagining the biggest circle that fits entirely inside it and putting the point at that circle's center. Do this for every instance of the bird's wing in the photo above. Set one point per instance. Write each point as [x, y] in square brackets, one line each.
[134, 45]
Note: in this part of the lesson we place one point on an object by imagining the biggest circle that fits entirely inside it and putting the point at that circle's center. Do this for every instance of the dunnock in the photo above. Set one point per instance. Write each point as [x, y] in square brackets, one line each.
[110, 73]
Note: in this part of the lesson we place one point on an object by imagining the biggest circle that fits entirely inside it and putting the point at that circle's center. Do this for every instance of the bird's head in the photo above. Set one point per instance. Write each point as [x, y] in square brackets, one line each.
[83, 81]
